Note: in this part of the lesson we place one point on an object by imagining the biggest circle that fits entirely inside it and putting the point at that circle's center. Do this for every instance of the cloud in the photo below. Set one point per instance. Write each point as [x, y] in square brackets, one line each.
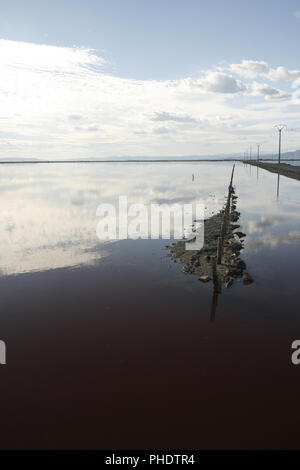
[272, 240]
[250, 68]
[255, 69]
[163, 116]
[297, 14]
[45, 58]
[54, 101]
[87, 129]
[218, 82]
[75, 117]
[269, 92]
[283, 74]
[163, 130]
[265, 222]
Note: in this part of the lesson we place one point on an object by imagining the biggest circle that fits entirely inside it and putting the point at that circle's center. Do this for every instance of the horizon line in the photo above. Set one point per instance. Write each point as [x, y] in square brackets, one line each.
[146, 161]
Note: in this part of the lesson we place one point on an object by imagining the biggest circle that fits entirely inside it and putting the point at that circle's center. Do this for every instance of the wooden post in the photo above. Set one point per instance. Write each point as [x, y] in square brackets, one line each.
[217, 284]
[219, 250]
[214, 305]
[231, 179]
[223, 226]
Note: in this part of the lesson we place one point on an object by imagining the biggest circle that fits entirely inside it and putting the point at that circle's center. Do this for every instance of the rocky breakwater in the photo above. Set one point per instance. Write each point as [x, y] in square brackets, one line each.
[219, 260]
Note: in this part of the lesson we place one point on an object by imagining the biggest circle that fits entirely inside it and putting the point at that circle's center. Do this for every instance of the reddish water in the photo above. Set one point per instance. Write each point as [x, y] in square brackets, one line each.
[123, 355]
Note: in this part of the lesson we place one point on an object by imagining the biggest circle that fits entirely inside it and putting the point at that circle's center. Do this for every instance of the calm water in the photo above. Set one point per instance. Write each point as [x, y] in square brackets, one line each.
[110, 345]
[293, 162]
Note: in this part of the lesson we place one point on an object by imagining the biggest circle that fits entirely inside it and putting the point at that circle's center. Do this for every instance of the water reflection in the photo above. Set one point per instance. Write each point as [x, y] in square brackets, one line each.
[49, 212]
[214, 305]
[219, 259]
[49, 219]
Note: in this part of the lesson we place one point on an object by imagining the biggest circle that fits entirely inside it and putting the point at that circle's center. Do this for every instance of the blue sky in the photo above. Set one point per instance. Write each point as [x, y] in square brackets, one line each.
[161, 39]
[241, 56]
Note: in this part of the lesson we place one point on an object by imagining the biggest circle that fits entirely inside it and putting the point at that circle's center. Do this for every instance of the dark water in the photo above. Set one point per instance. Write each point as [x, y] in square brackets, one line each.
[110, 345]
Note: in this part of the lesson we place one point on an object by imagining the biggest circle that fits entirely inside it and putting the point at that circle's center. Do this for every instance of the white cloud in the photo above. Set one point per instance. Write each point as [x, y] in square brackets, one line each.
[163, 130]
[269, 92]
[218, 82]
[75, 117]
[163, 116]
[58, 102]
[283, 74]
[297, 14]
[265, 222]
[272, 240]
[250, 68]
[45, 58]
[255, 69]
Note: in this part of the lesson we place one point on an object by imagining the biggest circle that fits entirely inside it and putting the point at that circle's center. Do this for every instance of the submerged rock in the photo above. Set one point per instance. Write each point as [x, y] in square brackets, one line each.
[204, 278]
[247, 278]
[240, 234]
[228, 281]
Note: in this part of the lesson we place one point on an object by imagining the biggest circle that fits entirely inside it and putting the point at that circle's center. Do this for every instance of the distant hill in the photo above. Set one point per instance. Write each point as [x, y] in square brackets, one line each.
[20, 159]
[284, 156]
[291, 155]
[233, 156]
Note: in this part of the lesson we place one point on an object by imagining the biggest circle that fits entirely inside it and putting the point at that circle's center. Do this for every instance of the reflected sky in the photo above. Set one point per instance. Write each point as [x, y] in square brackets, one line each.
[48, 212]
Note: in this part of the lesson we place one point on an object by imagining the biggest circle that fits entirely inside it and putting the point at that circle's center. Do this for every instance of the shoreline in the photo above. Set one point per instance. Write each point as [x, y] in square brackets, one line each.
[284, 169]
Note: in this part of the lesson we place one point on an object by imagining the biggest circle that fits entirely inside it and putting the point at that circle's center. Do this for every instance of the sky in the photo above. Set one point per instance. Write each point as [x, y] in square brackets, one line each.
[93, 78]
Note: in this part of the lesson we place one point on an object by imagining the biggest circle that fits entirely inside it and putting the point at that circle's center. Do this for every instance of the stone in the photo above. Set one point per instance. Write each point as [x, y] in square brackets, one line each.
[228, 281]
[204, 278]
[247, 278]
[240, 234]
